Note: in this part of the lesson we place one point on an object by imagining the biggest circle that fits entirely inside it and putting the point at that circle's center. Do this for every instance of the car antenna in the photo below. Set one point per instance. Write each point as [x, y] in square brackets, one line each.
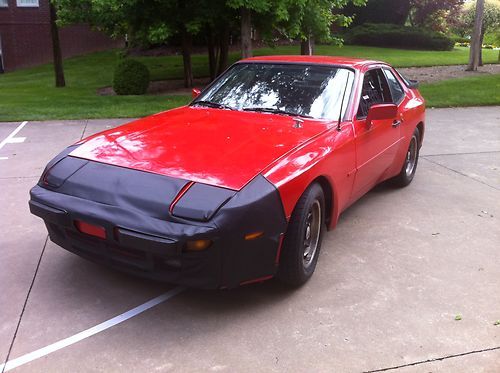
[342, 104]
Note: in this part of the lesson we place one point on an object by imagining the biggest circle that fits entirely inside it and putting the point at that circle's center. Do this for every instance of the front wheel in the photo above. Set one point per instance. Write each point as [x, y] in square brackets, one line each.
[303, 239]
[409, 168]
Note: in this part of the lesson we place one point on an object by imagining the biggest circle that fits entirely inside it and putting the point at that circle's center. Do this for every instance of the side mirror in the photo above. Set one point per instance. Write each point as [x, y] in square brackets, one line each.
[413, 84]
[195, 92]
[381, 112]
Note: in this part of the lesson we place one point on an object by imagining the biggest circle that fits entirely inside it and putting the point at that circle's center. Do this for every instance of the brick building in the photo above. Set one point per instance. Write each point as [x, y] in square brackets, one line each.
[25, 38]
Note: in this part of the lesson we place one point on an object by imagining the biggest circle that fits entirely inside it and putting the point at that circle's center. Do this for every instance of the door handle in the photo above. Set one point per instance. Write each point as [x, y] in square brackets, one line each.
[396, 123]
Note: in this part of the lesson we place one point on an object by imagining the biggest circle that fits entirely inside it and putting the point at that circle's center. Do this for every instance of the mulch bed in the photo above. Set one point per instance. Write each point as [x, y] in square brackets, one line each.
[422, 74]
[437, 73]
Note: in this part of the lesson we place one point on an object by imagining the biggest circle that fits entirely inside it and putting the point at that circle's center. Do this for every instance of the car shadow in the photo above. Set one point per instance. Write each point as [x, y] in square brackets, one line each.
[120, 291]
[242, 298]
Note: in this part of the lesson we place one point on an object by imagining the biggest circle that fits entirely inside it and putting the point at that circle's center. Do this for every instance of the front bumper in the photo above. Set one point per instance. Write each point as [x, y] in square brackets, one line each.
[138, 251]
[152, 247]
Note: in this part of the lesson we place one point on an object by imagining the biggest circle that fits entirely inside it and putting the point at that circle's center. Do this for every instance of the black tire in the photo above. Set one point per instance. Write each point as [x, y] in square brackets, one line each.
[297, 262]
[407, 173]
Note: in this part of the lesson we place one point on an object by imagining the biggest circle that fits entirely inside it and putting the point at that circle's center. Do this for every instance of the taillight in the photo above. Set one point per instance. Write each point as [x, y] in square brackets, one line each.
[90, 229]
[45, 175]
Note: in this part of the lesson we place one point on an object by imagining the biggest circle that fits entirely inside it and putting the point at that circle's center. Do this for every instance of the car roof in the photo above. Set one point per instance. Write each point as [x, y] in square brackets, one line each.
[356, 63]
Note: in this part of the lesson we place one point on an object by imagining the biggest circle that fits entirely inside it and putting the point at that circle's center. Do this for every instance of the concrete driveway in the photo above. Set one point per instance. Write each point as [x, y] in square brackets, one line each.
[391, 279]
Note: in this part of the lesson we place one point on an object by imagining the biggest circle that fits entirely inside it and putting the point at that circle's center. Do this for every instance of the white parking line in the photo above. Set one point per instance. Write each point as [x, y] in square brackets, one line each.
[11, 139]
[11, 364]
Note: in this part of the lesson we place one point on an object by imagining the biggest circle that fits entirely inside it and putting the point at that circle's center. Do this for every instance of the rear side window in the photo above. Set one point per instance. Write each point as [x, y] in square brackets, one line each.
[397, 91]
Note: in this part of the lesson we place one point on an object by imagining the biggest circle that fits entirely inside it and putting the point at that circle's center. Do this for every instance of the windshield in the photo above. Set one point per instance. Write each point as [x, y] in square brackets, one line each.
[314, 91]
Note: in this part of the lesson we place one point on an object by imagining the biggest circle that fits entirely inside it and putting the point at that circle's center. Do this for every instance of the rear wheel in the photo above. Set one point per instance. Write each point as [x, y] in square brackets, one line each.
[409, 168]
[303, 239]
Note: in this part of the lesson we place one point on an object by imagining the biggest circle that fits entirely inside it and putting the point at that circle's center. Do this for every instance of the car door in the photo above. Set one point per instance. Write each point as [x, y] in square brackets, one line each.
[376, 142]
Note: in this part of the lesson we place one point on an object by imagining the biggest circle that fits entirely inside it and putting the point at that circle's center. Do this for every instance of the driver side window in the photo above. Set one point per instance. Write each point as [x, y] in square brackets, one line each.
[375, 91]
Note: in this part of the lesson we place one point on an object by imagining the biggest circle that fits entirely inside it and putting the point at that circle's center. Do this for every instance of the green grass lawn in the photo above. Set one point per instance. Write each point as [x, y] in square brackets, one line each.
[471, 91]
[29, 94]
[170, 67]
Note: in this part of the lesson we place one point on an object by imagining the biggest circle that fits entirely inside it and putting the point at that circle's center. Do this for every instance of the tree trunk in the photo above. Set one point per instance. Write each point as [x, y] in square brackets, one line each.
[483, 31]
[307, 47]
[246, 33]
[224, 50]
[410, 19]
[475, 45]
[212, 55]
[56, 48]
[186, 58]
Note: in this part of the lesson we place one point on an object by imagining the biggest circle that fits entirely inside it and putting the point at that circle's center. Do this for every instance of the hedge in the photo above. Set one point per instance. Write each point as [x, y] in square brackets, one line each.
[394, 36]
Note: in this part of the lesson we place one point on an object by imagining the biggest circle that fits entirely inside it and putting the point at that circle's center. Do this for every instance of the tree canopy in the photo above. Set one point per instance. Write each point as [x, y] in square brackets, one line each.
[151, 22]
[491, 18]
[431, 14]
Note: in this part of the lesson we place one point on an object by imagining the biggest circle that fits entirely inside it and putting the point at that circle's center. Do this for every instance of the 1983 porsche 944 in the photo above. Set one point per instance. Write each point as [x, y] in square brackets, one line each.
[240, 185]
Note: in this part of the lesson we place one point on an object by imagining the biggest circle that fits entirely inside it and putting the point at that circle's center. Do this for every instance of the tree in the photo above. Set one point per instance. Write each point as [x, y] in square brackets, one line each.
[153, 21]
[317, 19]
[56, 49]
[220, 24]
[380, 11]
[432, 13]
[490, 24]
[246, 8]
[306, 20]
[421, 13]
[158, 20]
[475, 45]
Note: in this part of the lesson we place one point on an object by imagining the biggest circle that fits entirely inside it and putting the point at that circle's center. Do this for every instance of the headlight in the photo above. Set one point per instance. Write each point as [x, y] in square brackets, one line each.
[200, 202]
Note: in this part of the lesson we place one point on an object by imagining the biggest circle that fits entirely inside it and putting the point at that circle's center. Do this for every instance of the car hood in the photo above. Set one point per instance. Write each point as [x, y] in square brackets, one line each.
[217, 147]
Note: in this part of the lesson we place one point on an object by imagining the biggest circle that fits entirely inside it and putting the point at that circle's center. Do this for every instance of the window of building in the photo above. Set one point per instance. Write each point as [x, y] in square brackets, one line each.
[27, 3]
[4, 3]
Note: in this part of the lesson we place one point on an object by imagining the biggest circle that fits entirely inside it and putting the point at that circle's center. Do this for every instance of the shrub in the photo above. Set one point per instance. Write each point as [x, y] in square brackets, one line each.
[131, 78]
[460, 39]
[394, 36]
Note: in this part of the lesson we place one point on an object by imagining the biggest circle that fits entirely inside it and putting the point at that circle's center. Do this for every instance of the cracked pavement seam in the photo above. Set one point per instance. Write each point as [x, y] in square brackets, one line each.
[433, 360]
[84, 129]
[467, 153]
[25, 304]
[460, 173]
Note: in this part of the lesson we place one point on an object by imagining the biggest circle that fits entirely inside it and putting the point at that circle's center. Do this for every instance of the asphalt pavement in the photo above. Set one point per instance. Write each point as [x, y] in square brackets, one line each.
[409, 281]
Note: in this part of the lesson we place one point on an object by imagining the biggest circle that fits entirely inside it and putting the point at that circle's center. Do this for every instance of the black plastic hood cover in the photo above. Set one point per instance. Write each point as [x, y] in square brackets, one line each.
[144, 192]
[201, 202]
[155, 215]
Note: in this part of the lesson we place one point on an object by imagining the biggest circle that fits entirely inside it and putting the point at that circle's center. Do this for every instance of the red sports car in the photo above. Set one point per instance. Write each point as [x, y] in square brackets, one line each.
[239, 185]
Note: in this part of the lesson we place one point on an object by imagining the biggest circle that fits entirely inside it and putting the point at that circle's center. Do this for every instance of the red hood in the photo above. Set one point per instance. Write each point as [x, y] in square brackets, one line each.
[218, 147]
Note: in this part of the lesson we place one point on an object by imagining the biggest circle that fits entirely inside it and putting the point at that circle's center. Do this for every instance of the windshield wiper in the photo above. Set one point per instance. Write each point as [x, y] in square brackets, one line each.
[276, 111]
[212, 104]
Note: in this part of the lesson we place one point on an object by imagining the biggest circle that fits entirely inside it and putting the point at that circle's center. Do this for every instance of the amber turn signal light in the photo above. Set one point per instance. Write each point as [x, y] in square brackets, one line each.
[253, 236]
[198, 245]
